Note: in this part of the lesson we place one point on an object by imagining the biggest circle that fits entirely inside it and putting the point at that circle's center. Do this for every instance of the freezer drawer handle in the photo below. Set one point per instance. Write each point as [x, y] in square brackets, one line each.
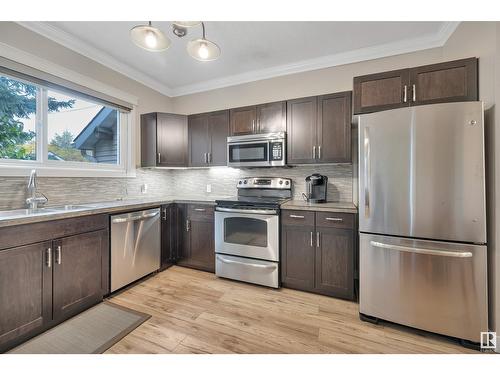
[454, 254]
[263, 266]
[367, 172]
[134, 218]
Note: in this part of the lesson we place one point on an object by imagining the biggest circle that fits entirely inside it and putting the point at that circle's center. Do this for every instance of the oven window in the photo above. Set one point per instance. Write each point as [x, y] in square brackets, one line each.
[245, 231]
[248, 152]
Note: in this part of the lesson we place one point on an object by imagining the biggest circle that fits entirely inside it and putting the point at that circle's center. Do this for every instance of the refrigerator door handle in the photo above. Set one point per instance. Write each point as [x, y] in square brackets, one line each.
[454, 254]
[367, 170]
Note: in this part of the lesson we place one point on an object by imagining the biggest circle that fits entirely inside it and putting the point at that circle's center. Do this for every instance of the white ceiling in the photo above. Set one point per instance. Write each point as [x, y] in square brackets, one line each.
[250, 50]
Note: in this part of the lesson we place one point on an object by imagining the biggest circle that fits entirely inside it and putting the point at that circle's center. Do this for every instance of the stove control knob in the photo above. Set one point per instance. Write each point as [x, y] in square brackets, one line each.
[240, 182]
[245, 182]
[281, 182]
[287, 183]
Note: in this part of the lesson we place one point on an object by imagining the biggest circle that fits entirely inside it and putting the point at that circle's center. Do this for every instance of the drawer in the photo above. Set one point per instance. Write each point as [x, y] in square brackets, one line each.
[335, 220]
[200, 211]
[297, 217]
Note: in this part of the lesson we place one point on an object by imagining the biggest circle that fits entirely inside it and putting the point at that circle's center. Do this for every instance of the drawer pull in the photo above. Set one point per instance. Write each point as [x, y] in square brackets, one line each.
[334, 219]
[296, 216]
[200, 209]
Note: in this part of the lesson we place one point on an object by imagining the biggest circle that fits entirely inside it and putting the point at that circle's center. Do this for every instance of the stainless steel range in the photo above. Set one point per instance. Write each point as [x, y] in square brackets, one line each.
[247, 231]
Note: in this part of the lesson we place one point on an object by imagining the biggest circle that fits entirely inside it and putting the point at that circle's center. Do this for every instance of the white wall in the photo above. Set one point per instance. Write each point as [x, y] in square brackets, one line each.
[149, 100]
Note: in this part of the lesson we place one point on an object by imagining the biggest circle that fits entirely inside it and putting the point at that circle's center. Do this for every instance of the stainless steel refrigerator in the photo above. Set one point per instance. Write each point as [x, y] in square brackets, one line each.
[422, 218]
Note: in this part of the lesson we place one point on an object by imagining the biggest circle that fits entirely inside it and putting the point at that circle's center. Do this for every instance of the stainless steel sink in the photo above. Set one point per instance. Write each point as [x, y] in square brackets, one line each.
[26, 212]
[73, 207]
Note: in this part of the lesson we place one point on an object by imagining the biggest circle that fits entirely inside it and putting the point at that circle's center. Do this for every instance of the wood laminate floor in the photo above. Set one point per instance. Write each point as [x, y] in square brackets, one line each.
[196, 312]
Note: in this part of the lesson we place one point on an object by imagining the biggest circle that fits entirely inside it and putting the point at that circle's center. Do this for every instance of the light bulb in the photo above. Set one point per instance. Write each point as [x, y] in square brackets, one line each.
[203, 51]
[150, 39]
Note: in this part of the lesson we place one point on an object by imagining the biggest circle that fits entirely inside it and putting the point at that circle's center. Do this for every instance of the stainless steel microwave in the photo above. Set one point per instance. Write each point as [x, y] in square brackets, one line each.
[257, 150]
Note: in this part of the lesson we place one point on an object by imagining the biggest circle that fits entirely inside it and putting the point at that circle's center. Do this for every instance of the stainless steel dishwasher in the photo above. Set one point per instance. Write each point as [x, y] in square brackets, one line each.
[135, 246]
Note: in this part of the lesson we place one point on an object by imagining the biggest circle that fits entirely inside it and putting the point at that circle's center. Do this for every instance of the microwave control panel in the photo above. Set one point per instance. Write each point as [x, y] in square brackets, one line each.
[276, 151]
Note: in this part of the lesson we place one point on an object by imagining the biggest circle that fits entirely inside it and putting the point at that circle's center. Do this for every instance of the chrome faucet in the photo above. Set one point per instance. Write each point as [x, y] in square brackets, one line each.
[33, 201]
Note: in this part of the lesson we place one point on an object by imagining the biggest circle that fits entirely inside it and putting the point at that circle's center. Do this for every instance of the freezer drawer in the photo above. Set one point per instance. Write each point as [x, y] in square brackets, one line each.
[250, 270]
[435, 286]
[135, 246]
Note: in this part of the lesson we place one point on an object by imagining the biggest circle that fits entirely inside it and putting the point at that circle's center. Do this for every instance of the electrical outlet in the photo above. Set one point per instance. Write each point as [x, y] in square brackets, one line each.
[209, 188]
[144, 188]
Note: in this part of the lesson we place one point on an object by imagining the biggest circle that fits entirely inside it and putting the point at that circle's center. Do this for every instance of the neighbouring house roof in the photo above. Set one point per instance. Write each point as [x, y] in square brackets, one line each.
[103, 121]
[53, 156]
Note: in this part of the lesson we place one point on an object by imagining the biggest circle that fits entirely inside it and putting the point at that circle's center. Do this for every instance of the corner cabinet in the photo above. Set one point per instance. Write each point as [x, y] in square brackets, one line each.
[164, 140]
[262, 118]
[50, 271]
[318, 252]
[450, 81]
[208, 138]
[319, 129]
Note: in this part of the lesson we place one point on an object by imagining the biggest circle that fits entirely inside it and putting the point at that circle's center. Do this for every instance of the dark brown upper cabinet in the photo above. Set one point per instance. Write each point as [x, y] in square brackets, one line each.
[207, 138]
[164, 140]
[450, 81]
[319, 129]
[381, 91]
[263, 118]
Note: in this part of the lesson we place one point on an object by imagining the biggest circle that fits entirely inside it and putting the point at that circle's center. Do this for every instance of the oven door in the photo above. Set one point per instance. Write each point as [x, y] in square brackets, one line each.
[249, 154]
[247, 233]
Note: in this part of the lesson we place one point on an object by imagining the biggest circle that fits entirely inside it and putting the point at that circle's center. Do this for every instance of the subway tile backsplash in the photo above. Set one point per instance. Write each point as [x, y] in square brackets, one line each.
[182, 183]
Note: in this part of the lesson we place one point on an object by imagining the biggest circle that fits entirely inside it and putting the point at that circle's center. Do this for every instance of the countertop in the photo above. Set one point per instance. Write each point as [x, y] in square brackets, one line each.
[7, 219]
[299, 204]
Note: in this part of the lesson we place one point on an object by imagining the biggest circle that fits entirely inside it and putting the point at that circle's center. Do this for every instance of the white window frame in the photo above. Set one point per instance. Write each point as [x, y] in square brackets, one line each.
[54, 168]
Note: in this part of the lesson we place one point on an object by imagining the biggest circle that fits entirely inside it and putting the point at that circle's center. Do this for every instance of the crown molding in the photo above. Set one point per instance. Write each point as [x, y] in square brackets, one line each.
[370, 53]
[69, 41]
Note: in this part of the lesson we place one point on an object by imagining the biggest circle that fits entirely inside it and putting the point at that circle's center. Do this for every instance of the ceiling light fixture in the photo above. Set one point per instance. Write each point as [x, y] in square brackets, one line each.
[203, 49]
[150, 38]
[153, 39]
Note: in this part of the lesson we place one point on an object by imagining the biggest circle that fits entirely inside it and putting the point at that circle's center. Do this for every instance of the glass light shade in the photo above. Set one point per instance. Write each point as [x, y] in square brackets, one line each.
[150, 38]
[187, 23]
[203, 50]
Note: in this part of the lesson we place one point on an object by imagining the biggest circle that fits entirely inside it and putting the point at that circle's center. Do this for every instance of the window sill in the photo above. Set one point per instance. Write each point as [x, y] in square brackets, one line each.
[7, 170]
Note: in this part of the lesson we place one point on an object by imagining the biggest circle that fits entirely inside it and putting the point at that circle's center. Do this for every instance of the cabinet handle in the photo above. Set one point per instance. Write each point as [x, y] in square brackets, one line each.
[414, 93]
[164, 217]
[188, 225]
[312, 239]
[200, 209]
[314, 152]
[58, 255]
[334, 219]
[258, 125]
[253, 126]
[317, 239]
[48, 257]
[296, 216]
[159, 158]
[405, 94]
[205, 157]
[319, 152]
[209, 157]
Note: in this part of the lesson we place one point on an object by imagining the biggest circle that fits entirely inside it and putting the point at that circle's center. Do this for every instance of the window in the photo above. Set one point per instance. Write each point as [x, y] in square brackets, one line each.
[56, 129]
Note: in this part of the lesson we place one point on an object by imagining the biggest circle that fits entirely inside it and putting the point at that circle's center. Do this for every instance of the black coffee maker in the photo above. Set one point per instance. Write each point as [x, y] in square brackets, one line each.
[316, 188]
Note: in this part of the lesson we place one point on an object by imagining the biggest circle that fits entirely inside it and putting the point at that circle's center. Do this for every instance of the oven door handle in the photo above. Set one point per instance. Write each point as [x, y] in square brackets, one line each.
[239, 211]
[262, 266]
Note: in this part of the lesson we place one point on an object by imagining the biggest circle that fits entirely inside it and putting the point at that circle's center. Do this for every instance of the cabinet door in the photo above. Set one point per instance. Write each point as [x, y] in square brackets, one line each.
[168, 235]
[301, 130]
[77, 272]
[381, 91]
[198, 140]
[202, 249]
[243, 120]
[25, 292]
[453, 81]
[149, 156]
[271, 117]
[172, 142]
[334, 274]
[334, 128]
[218, 125]
[297, 256]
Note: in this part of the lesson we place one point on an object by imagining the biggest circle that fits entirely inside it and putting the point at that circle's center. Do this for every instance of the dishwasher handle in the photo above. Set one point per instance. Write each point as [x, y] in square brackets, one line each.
[135, 218]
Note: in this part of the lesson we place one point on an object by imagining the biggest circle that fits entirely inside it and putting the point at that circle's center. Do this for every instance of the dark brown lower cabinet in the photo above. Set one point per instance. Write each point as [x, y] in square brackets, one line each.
[169, 236]
[77, 273]
[44, 283]
[25, 292]
[318, 252]
[197, 248]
